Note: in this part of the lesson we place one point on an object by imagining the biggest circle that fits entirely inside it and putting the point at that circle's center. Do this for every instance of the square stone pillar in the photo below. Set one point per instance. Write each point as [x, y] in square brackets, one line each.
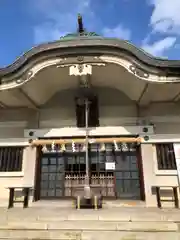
[29, 166]
[147, 153]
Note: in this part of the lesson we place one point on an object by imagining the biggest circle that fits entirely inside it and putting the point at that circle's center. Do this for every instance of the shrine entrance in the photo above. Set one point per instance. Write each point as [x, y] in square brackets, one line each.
[62, 171]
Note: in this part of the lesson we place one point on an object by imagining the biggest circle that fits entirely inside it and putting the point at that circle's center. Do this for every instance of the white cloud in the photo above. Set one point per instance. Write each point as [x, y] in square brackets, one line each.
[58, 17]
[165, 17]
[158, 48]
[47, 32]
[117, 32]
[165, 20]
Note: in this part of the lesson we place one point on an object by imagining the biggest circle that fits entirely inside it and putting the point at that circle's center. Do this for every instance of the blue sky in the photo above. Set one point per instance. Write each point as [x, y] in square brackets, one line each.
[153, 25]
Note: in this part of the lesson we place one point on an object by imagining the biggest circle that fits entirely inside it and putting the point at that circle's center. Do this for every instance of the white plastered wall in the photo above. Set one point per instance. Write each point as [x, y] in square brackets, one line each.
[17, 179]
[155, 177]
[110, 115]
[166, 120]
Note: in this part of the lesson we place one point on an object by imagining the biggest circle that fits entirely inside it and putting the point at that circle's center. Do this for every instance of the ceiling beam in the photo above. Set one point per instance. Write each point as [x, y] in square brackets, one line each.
[2, 105]
[143, 93]
[176, 98]
[32, 103]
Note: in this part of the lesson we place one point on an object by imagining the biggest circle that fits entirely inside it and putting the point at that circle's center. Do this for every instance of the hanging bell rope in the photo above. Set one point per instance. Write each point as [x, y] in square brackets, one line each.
[43, 142]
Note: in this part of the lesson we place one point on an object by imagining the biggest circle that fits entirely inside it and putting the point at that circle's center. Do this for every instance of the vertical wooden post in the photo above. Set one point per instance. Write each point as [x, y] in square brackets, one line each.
[37, 174]
[176, 200]
[95, 202]
[158, 197]
[78, 202]
[26, 197]
[141, 174]
[11, 198]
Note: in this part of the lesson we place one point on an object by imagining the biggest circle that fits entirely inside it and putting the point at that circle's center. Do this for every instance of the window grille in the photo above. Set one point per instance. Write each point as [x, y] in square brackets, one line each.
[93, 116]
[11, 159]
[165, 156]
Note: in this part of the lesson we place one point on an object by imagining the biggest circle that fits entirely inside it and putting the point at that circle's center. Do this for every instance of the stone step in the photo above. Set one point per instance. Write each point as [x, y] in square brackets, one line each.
[92, 225]
[86, 235]
[56, 214]
[57, 223]
[122, 223]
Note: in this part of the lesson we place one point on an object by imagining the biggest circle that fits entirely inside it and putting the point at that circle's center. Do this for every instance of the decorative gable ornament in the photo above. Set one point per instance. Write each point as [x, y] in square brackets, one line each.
[80, 70]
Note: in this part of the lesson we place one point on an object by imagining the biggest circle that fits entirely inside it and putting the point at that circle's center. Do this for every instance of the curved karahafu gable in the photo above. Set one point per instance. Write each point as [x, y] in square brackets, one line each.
[135, 60]
[83, 44]
[97, 45]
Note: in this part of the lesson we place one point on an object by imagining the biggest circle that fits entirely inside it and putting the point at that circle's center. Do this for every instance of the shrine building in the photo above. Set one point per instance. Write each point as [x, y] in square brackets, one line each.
[133, 119]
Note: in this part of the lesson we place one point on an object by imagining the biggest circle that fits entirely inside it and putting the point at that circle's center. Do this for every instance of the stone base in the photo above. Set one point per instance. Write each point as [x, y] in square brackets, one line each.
[84, 203]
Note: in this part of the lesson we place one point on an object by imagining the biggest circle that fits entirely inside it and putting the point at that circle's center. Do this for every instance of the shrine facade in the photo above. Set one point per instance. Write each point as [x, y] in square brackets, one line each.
[133, 119]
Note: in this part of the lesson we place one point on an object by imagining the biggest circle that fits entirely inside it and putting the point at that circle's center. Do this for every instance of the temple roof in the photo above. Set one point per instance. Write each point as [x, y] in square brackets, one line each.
[80, 41]
[84, 43]
[81, 32]
[71, 36]
[47, 69]
[96, 45]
